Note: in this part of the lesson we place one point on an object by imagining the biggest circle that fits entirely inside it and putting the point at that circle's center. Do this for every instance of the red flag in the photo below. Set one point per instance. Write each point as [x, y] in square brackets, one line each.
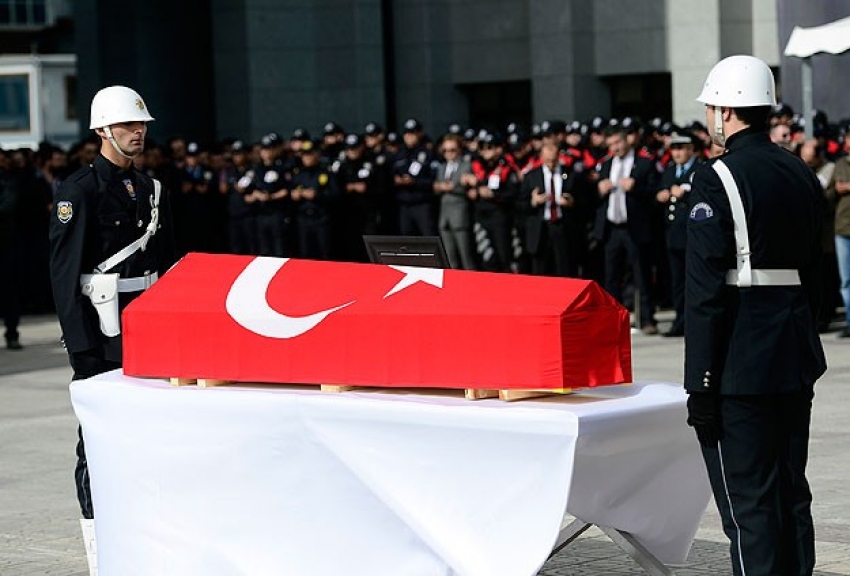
[300, 321]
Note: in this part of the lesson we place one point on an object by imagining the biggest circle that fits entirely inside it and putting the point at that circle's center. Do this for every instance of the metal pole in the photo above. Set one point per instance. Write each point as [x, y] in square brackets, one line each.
[806, 77]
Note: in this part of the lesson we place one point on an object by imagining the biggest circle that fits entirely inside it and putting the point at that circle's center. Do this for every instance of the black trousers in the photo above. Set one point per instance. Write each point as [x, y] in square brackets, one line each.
[554, 254]
[272, 234]
[86, 367]
[497, 224]
[758, 476]
[676, 258]
[621, 250]
[416, 220]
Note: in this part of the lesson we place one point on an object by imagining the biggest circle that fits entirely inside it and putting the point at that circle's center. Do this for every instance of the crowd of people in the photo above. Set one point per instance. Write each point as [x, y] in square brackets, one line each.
[604, 199]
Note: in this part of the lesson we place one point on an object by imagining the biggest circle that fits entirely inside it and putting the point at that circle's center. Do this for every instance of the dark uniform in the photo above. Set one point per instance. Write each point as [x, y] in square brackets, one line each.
[241, 214]
[495, 215]
[675, 216]
[416, 198]
[359, 210]
[313, 214]
[99, 210]
[274, 215]
[752, 353]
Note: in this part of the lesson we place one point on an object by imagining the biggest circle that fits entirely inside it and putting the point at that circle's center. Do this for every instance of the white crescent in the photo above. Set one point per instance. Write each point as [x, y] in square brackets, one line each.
[248, 305]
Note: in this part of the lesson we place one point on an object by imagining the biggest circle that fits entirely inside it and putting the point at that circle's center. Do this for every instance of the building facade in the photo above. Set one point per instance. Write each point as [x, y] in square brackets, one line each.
[212, 69]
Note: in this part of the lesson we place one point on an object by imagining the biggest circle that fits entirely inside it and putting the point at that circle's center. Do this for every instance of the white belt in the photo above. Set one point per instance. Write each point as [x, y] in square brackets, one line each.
[137, 284]
[766, 278]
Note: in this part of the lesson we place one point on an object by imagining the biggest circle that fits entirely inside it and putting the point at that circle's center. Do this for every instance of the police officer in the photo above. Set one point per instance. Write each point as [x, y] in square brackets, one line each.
[495, 197]
[752, 353]
[269, 191]
[110, 238]
[314, 191]
[241, 207]
[413, 178]
[673, 189]
[357, 178]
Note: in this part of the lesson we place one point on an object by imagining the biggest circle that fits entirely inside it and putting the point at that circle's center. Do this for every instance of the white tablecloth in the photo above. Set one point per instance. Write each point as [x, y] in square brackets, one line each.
[291, 481]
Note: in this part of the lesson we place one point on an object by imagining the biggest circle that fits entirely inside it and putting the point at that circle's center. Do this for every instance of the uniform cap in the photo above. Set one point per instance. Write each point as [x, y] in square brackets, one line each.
[332, 128]
[238, 146]
[469, 134]
[300, 134]
[679, 138]
[193, 149]
[353, 141]
[372, 129]
[412, 125]
[454, 129]
[116, 104]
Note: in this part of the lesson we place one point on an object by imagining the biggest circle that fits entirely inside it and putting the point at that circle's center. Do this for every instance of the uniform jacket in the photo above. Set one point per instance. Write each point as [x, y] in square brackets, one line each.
[418, 163]
[534, 215]
[93, 218]
[323, 182]
[676, 209]
[639, 201]
[760, 339]
[502, 179]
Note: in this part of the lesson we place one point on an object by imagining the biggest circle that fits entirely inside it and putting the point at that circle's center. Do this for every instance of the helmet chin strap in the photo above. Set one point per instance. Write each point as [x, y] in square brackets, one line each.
[718, 126]
[115, 145]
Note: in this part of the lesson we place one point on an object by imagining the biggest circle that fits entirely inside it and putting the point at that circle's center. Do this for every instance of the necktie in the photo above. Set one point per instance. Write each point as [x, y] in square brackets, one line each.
[679, 170]
[450, 169]
[553, 204]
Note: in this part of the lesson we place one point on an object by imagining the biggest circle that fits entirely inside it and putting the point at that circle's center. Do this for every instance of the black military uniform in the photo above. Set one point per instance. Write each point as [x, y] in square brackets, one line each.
[357, 177]
[99, 210]
[752, 352]
[274, 214]
[241, 213]
[415, 193]
[675, 216]
[313, 213]
[495, 214]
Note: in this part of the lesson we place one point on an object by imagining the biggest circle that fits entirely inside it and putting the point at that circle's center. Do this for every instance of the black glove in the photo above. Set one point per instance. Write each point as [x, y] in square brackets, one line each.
[704, 416]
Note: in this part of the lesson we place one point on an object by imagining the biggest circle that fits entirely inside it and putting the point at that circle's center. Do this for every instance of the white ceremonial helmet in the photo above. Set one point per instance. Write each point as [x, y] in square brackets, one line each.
[116, 104]
[739, 81]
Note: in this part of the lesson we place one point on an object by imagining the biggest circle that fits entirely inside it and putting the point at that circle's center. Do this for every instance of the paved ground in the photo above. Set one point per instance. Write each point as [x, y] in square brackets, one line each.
[39, 531]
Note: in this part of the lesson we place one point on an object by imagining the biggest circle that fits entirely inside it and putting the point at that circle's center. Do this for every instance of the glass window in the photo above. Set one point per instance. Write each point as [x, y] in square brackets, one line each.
[14, 103]
[23, 13]
[70, 97]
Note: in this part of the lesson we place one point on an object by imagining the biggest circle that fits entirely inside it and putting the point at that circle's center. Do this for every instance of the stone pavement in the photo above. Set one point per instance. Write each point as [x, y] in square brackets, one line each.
[39, 530]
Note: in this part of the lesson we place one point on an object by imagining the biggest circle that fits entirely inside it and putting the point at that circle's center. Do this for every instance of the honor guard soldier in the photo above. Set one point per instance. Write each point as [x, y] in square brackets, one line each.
[673, 189]
[752, 352]
[313, 192]
[270, 193]
[357, 178]
[413, 178]
[110, 239]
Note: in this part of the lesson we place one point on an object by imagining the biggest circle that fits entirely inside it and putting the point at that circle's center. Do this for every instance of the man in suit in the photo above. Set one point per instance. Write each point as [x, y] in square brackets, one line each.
[672, 195]
[454, 177]
[626, 187]
[549, 204]
[752, 351]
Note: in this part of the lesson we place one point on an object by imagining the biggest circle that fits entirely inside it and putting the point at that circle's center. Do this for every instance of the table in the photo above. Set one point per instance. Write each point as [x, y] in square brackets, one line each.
[289, 480]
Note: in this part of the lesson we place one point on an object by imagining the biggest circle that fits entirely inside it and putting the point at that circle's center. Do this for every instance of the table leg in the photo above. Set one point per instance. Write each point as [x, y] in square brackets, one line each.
[569, 533]
[639, 554]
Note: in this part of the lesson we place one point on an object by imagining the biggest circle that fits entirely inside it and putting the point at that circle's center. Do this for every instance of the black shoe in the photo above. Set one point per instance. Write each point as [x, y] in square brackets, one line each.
[13, 344]
[674, 333]
[845, 332]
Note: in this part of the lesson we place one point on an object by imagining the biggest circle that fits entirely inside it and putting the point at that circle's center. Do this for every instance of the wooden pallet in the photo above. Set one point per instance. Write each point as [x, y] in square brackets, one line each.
[507, 395]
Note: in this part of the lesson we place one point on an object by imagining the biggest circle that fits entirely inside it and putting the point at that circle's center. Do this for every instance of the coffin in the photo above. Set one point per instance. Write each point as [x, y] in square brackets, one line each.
[258, 319]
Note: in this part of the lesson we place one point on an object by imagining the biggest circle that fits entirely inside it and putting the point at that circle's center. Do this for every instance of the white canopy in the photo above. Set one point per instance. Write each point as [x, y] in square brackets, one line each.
[833, 38]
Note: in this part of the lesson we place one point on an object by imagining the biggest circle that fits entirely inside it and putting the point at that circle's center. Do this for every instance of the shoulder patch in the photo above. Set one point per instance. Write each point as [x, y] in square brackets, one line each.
[64, 211]
[701, 211]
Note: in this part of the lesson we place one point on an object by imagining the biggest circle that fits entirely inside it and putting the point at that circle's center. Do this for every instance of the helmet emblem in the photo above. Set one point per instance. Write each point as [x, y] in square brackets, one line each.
[139, 104]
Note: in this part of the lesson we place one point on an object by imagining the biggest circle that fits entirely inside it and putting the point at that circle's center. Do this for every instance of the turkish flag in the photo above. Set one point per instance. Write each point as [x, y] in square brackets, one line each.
[261, 319]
